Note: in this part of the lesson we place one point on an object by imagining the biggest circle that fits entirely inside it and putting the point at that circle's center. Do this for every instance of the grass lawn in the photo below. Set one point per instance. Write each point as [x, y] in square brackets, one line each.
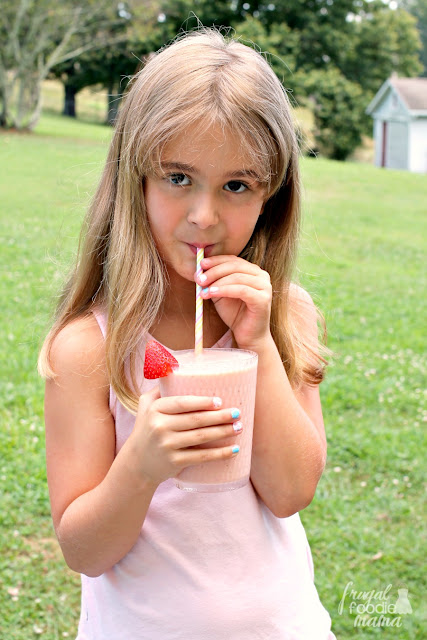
[362, 261]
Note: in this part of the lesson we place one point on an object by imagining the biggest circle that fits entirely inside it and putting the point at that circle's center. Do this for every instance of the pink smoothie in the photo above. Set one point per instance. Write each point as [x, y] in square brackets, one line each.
[229, 374]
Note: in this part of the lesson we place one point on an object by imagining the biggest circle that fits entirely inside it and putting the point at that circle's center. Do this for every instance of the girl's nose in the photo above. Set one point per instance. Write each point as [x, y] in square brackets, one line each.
[203, 211]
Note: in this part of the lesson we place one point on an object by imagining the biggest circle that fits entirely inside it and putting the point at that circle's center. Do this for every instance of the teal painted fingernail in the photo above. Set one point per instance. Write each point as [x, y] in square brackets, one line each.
[235, 413]
[205, 290]
[236, 448]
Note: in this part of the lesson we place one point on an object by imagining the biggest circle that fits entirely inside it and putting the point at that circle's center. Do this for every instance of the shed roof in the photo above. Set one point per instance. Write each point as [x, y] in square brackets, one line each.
[412, 92]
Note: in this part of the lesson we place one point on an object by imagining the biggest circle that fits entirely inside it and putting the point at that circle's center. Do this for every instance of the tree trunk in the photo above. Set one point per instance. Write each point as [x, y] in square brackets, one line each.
[35, 116]
[3, 112]
[20, 111]
[69, 101]
[3, 98]
[113, 103]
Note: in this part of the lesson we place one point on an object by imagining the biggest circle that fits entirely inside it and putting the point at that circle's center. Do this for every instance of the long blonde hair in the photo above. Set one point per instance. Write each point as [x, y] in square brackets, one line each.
[202, 76]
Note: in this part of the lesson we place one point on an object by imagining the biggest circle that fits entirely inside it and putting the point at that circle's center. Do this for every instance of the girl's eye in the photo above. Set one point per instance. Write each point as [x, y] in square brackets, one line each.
[180, 179]
[235, 186]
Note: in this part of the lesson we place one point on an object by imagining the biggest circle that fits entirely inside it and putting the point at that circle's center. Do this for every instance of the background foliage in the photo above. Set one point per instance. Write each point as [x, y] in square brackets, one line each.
[333, 54]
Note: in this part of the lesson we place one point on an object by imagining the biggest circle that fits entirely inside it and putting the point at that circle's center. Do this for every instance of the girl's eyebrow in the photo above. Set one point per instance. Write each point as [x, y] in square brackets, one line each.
[178, 166]
[188, 168]
[245, 173]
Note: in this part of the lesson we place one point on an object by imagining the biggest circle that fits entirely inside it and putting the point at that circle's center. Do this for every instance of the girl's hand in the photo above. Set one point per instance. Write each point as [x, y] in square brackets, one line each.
[166, 429]
[242, 293]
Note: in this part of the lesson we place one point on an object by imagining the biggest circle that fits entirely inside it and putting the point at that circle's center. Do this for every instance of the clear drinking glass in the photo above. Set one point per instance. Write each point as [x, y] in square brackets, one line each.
[229, 374]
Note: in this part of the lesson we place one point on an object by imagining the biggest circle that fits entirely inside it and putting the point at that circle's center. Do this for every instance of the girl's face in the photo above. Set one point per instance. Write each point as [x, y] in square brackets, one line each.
[205, 194]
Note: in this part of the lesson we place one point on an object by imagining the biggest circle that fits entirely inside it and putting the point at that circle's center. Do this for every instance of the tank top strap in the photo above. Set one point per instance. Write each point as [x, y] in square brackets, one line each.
[225, 342]
[101, 318]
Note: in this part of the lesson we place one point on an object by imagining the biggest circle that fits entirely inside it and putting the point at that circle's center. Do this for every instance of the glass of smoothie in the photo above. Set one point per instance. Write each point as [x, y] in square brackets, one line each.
[229, 374]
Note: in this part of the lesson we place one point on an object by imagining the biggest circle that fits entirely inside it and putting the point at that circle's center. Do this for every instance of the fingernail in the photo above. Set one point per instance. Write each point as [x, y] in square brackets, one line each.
[205, 290]
[237, 426]
[235, 413]
[214, 289]
[217, 402]
[236, 448]
[203, 278]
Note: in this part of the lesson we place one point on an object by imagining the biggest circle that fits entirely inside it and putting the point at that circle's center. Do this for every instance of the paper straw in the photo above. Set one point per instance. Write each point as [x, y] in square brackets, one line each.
[198, 348]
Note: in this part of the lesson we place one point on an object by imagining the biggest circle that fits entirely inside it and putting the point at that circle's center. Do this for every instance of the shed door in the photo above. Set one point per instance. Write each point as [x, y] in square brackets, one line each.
[397, 145]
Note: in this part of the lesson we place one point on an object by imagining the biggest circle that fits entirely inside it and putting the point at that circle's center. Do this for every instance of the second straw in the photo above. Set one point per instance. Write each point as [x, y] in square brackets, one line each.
[199, 306]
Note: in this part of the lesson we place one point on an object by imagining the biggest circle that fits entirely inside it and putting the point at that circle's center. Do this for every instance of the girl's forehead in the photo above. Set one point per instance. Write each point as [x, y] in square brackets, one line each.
[196, 145]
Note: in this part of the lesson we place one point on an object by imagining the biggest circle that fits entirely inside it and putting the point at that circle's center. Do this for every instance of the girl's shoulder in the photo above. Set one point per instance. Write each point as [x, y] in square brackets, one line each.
[304, 313]
[299, 296]
[79, 349]
[300, 302]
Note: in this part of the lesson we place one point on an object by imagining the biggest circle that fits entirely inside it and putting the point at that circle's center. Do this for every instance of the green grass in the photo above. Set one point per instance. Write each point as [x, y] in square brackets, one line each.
[361, 259]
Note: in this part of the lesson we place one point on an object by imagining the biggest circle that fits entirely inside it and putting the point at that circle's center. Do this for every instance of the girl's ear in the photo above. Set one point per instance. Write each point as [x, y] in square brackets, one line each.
[267, 199]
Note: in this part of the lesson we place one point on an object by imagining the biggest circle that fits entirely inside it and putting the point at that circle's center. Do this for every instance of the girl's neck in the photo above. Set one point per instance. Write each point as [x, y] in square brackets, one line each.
[175, 326]
[180, 299]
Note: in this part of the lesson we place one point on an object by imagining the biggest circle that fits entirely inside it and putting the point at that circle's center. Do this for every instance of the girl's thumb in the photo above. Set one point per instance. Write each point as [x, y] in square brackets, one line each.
[149, 396]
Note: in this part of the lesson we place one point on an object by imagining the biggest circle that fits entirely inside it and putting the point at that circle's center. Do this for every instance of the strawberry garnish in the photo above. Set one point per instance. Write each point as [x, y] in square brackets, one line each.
[158, 361]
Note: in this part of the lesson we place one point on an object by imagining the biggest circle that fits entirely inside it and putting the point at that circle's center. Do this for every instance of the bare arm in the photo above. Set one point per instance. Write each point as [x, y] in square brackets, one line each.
[289, 447]
[98, 502]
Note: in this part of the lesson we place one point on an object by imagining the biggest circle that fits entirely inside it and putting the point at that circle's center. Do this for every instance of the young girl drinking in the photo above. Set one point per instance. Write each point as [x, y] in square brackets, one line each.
[204, 155]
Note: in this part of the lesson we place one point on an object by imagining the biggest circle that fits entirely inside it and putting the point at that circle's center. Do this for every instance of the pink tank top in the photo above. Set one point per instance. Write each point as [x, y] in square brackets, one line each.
[205, 567]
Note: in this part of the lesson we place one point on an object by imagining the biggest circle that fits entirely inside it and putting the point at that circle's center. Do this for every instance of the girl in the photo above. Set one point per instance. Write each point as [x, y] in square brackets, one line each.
[204, 155]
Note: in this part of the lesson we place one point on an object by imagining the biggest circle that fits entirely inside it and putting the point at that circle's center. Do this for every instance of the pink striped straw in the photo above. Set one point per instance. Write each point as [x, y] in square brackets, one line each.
[198, 348]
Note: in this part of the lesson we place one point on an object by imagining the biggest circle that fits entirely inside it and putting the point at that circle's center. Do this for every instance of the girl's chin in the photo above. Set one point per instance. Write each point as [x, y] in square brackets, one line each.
[179, 276]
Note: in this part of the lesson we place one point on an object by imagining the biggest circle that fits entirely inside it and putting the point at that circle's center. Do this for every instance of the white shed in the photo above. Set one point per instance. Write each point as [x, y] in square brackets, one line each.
[399, 110]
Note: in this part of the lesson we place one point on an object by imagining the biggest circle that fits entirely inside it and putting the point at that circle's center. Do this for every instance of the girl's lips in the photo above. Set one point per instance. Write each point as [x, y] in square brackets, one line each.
[208, 249]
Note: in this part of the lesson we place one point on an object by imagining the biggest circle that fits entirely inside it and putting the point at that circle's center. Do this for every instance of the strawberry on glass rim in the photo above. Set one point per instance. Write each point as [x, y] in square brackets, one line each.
[159, 362]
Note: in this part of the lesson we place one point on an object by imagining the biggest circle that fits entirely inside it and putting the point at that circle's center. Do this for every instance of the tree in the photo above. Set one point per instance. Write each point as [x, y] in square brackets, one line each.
[148, 26]
[35, 36]
[338, 106]
[279, 44]
[321, 26]
[384, 41]
[418, 9]
[141, 33]
[89, 67]
[177, 15]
